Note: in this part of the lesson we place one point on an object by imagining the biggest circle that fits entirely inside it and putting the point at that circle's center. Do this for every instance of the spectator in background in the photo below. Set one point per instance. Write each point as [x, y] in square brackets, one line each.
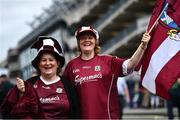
[132, 81]
[174, 101]
[170, 106]
[131, 88]
[154, 100]
[123, 93]
[5, 86]
[139, 96]
[146, 99]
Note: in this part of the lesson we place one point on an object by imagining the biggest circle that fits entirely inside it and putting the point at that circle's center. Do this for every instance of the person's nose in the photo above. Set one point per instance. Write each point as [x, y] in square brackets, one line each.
[47, 62]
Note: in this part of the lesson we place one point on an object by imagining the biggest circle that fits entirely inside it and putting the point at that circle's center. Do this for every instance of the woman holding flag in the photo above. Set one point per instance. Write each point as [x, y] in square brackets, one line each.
[95, 75]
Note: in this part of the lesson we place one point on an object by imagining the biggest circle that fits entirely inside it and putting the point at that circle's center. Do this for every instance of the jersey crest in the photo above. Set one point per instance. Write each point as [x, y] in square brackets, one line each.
[59, 90]
[97, 68]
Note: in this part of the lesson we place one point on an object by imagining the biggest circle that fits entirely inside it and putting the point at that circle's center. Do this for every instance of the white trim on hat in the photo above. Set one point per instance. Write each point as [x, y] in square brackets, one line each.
[61, 54]
[87, 28]
[48, 42]
[84, 28]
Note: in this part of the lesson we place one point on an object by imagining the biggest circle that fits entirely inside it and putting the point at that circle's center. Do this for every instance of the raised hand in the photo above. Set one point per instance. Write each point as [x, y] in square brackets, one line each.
[20, 85]
[145, 40]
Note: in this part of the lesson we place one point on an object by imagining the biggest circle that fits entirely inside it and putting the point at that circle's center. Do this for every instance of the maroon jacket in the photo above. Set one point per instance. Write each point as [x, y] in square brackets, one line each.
[27, 107]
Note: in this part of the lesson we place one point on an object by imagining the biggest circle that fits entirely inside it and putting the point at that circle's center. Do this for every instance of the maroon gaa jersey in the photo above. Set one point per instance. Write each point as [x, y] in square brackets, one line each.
[95, 81]
[53, 99]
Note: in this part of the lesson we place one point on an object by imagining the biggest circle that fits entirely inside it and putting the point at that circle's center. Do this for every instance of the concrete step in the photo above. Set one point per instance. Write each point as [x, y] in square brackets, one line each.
[147, 113]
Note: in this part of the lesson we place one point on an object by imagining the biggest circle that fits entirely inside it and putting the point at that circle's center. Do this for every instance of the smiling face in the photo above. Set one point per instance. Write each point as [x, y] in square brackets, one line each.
[87, 42]
[48, 65]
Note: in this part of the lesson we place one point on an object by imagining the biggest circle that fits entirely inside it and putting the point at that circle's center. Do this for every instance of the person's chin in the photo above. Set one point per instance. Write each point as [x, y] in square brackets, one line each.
[87, 50]
[47, 72]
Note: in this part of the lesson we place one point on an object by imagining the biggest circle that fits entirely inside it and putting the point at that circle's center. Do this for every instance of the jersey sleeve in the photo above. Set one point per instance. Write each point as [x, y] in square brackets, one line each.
[116, 67]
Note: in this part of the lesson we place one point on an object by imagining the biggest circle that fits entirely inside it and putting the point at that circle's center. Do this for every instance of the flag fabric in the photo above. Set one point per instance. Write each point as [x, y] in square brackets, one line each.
[161, 61]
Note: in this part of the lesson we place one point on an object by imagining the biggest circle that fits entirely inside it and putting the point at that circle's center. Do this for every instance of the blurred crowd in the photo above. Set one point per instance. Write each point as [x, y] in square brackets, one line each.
[138, 96]
[133, 95]
[5, 86]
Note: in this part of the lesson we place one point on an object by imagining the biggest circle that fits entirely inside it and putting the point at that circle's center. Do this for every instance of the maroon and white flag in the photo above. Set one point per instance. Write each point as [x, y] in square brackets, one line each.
[161, 61]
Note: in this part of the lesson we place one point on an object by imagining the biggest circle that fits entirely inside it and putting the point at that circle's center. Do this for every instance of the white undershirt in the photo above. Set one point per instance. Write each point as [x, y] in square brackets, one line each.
[48, 82]
[125, 67]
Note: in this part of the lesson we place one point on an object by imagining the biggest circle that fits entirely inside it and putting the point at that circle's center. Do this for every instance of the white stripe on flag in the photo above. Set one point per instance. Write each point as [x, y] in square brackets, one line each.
[160, 57]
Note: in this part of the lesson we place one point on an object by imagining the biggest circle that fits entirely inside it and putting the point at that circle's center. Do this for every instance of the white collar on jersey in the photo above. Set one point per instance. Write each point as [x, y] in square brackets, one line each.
[47, 82]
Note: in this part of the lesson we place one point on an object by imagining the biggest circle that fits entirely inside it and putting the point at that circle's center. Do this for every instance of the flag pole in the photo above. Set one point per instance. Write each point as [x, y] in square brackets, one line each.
[157, 18]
